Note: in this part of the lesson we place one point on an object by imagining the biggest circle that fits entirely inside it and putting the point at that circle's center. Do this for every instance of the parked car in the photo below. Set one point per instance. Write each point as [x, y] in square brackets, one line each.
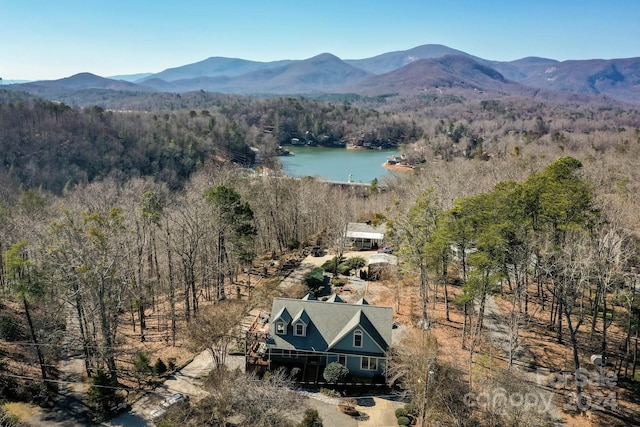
[175, 399]
[157, 413]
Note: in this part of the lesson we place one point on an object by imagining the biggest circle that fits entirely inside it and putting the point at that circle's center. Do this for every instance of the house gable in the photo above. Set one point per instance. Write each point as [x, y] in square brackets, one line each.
[300, 322]
[359, 330]
[334, 298]
[281, 321]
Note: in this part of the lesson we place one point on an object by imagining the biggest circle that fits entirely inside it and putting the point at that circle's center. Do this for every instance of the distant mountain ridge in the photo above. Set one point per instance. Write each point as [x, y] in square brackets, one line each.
[214, 67]
[411, 71]
[392, 61]
[82, 81]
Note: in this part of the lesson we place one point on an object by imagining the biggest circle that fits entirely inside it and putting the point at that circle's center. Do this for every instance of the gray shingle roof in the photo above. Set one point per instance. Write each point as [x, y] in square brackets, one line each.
[282, 314]
[329, 323]
[365, 231]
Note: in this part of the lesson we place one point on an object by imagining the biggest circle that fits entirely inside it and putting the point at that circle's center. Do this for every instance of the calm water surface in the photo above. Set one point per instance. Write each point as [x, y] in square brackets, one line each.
[336, 164]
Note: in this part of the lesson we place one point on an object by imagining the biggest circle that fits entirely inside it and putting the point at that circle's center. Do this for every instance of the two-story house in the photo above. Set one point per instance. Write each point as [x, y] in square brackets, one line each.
[309, 334]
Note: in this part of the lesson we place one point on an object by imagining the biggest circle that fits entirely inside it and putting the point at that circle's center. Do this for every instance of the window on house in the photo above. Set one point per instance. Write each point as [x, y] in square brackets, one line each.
[357, 339]
[300, 330]
[369, 363]
[280, 328]
[342, 359]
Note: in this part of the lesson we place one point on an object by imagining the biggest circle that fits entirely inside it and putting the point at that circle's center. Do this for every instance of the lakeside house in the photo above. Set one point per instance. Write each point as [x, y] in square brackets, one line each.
[400, 162]
[363, 236]
[308, 334]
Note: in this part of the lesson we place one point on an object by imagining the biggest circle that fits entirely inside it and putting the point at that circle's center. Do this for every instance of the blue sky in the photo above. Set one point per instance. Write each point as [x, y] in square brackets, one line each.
[50, 39]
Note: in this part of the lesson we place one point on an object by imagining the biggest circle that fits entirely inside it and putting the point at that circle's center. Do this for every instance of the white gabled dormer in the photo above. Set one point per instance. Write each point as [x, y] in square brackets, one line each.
[334, 298]
[308, 297]
[281, 322]
[300, 323]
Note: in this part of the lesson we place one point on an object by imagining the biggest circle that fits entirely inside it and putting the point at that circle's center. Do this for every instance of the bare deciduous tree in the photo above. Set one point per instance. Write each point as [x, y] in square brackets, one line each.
[217, 328]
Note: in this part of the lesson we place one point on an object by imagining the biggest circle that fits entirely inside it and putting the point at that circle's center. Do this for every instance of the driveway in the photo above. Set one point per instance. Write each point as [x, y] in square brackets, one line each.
[381, 412]
[188, 381]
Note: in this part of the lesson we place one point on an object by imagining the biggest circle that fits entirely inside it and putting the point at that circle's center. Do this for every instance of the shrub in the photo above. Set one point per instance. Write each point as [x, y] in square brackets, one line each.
[335, 372]
[335, 281]
[311, 419]
[411, 409]
[330, 265]
[171, 364]
[159, 367]
[315, 278]
[349, 409]
[344, 266]
[344, 269]
[8, 328]
[401, 412]
[102, 393]
[330, 392]
[141, 363]
[356, 262]
[8, 386]
[294, 244]
[403, 421]
[295, 373]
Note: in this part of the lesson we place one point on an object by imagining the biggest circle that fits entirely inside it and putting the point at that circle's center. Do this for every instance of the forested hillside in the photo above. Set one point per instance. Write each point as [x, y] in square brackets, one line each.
[51, 145]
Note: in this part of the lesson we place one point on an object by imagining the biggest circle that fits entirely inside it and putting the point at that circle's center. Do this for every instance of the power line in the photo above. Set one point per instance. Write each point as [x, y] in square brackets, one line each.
[79, 349]
[24, 377]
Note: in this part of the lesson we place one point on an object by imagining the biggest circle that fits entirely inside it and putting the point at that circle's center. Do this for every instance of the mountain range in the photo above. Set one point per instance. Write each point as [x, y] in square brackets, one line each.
[423, 69]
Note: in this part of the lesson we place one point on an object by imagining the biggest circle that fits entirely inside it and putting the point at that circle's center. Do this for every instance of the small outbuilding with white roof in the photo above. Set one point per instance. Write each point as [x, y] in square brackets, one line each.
[363, 236]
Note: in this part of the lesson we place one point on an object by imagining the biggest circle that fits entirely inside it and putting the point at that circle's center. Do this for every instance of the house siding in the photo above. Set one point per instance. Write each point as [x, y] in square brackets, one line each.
[355, 368]
[353, 363]
[369, 347]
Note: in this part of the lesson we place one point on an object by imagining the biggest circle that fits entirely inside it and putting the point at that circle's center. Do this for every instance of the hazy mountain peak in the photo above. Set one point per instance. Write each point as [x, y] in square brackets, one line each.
[399, 71]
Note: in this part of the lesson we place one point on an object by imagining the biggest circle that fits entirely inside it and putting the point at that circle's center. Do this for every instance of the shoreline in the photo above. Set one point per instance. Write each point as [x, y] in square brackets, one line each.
[397, 168]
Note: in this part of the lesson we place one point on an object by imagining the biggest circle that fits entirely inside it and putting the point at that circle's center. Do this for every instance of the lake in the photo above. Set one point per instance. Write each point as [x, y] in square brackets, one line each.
[336, 164]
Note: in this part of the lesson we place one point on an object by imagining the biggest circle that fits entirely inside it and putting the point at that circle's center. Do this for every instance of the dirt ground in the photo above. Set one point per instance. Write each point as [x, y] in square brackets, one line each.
[540, 347]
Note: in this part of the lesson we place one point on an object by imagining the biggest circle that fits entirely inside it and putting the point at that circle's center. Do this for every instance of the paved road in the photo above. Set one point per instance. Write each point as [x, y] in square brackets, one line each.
[70, 410]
